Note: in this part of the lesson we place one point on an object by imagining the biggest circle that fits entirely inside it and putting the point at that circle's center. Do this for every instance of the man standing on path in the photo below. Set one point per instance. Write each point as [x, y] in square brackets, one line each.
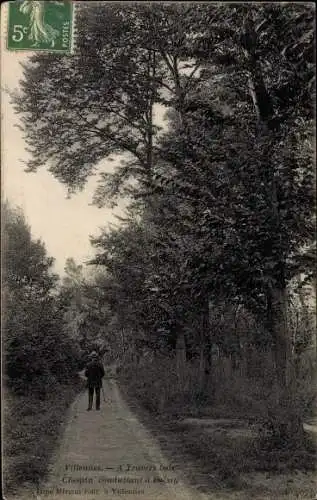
[94, 373]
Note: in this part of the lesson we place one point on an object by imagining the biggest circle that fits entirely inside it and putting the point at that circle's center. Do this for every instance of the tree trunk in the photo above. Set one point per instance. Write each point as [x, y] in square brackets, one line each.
[205, 347]
[236, 353]
[289, 426]
[277, 298]
[149, 113]
[315, 292]
[314, 284]
[305, 310]
[281, 337]
[201, 364]
[180, 357]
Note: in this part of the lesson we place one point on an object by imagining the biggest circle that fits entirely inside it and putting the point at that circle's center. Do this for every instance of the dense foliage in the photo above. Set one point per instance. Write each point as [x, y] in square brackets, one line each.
[37, 353]
[222, 193]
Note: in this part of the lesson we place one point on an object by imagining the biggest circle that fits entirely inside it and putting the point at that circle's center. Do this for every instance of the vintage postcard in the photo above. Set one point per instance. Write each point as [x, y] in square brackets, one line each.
[158, 241]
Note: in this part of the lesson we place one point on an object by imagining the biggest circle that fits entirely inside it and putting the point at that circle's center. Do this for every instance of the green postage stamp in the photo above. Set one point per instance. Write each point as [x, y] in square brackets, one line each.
[40, 25]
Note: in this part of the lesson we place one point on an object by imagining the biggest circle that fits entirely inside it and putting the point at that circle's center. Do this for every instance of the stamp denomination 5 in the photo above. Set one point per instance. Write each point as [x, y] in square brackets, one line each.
[40, 25]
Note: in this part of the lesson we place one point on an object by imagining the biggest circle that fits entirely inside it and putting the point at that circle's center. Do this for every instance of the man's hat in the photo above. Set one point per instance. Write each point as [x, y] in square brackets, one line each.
[93, 354]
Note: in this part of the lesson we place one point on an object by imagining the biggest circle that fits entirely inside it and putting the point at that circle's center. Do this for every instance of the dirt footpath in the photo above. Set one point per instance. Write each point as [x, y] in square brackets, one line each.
[108, 454]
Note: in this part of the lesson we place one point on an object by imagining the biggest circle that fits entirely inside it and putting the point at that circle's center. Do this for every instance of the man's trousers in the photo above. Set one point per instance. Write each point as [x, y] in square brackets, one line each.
[91, 391]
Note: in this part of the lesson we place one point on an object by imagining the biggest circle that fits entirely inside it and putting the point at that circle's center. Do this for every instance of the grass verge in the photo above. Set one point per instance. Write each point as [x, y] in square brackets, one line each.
[215, 459]
[32, 427]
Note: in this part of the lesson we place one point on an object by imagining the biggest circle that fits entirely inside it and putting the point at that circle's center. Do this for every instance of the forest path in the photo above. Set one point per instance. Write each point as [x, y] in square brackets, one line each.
[98, 451]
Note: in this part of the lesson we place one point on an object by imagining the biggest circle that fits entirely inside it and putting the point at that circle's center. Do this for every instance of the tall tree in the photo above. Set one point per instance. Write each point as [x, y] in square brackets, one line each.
[127, 60]
[263, 171]
[36, 352]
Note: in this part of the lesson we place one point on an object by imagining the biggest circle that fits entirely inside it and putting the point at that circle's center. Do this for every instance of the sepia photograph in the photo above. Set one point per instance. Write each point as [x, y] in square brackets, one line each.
[158, 250]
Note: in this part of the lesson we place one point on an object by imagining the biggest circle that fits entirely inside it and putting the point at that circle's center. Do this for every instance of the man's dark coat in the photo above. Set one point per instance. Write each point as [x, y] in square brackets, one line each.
[94, 373]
